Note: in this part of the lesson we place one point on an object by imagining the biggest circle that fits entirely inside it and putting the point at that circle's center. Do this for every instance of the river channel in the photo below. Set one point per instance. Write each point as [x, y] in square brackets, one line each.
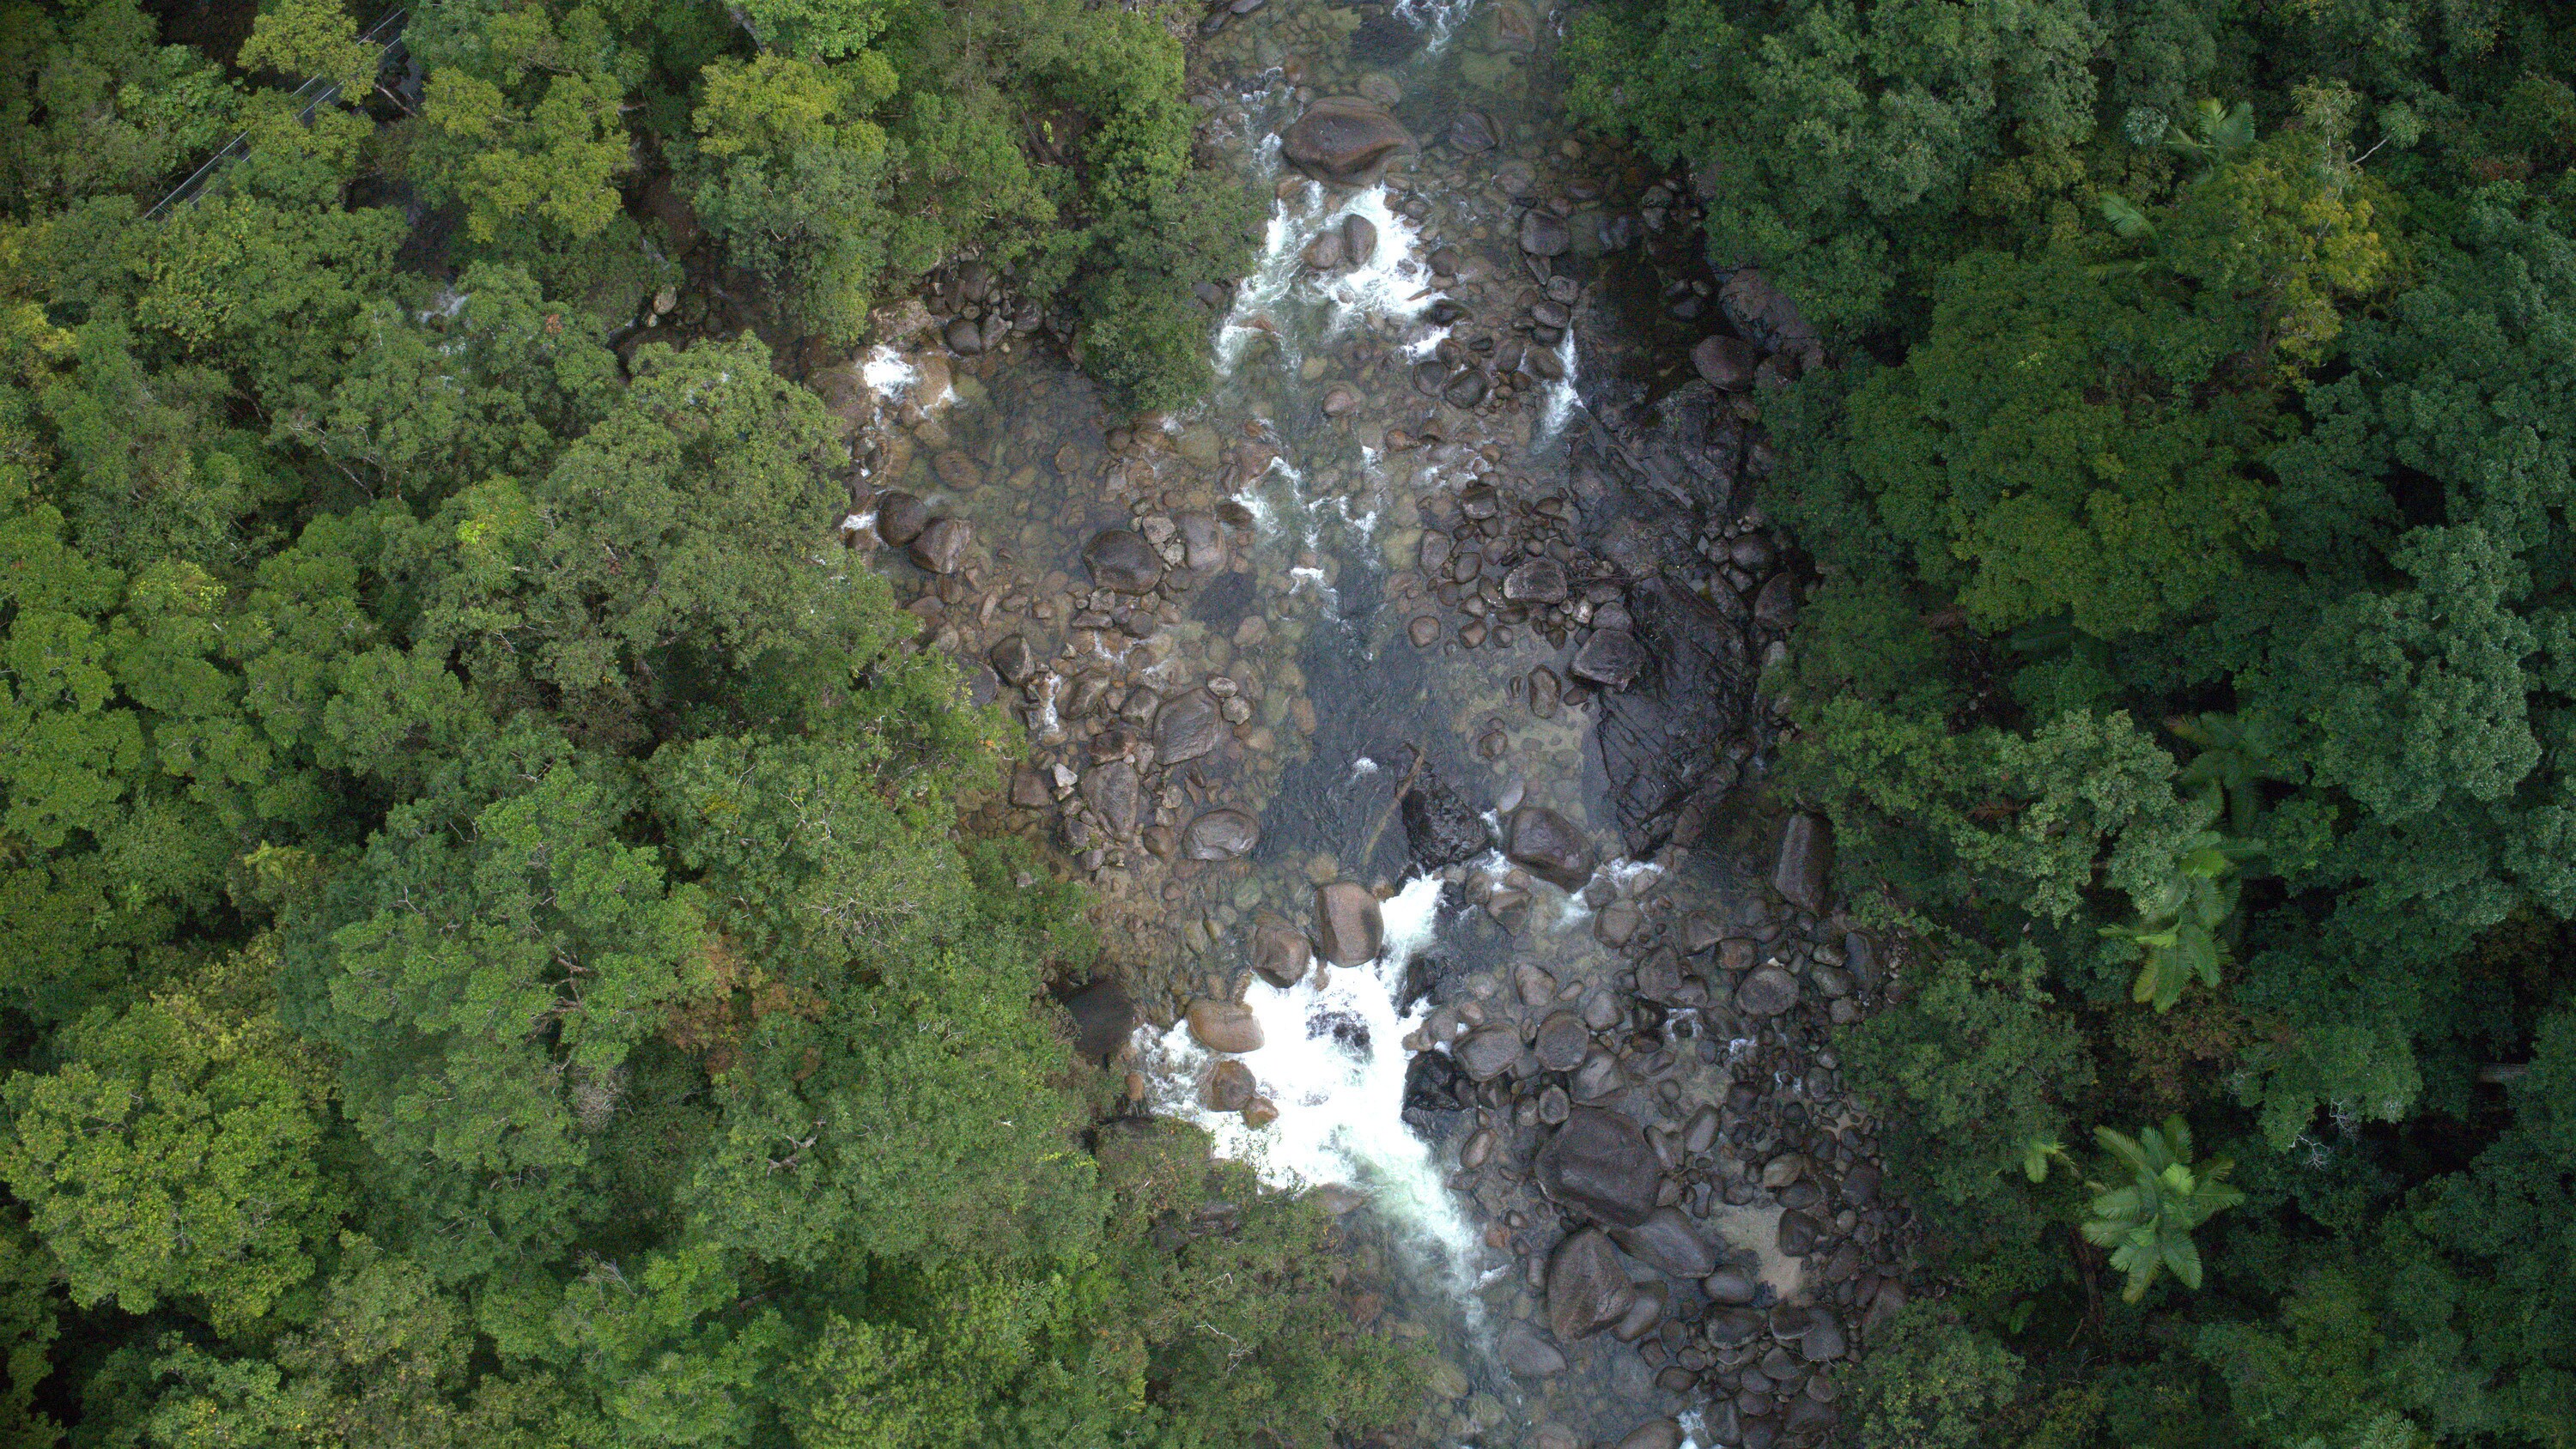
[1400, 704]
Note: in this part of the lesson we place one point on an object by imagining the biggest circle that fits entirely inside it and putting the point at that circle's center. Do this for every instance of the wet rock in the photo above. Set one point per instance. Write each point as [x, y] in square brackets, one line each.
[1761, 311]
[1433, 1084]
[1535, 581]
[1191, 724]
[1224, 1026]
[1733, 1325]
[1114, 790]
[1324, 253]
[1776, 604]
[1440, 828]
[1860, 1185]
[1230, 1087]
[1599, 1079]
[1798, 1233]
[1102, 1018]
[1424, 631]
[1643, 1314]
[964, 338]
[1349, 928]
[1029, 788]
[1545, 234]
[1667, 1241]
[900, 517]
[1203, 549]
[941, 549]
[1662, 739]
[1806, 858]
[1526, 1352]
[1768, 991]
[1359, 239]
[1563, 1040]
[1553, 1104]
[1346, 140]
[1728, 1286]
[1808, 1420]
[1610, 658]
[1280, 954]
[1122, 562]
[1340, 401]
[1221, 835]
[1488, 1052]
[1727, 362]
[1550, 846]
[1472, 132]
[1534, 986]
[1600, 1163]
[1479, 1149]
[1661, 1434]
[1466, 390]
[1823, 1340]
[1587, 1289]
[1014, 660]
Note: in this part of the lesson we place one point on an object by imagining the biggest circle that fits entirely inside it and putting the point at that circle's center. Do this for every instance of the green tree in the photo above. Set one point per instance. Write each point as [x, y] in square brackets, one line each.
[175, 1154]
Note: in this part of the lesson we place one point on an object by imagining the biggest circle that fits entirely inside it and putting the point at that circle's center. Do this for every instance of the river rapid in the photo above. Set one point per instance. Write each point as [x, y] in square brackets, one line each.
[1401, 706]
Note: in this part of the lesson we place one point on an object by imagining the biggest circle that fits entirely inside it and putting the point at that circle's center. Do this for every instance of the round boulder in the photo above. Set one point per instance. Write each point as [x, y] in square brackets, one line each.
[1224, 1026]
[1221, 835]
[1122, 562]
[1349, 927]
[1345, 140]
[1549, 846]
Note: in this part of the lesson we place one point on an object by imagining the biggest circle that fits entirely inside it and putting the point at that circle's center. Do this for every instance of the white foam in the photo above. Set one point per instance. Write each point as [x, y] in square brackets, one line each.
[1557, 402]
[1333, 1062]
[886, 372]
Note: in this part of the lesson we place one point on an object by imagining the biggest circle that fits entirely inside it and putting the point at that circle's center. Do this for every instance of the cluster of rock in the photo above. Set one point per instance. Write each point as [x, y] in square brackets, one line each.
[1667, 1149]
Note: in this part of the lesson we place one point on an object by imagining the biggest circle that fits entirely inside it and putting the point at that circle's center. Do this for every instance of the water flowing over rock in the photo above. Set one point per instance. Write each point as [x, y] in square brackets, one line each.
[1662, 738]
[1122, 562]
[1114, 790]
[1550, 846]
[1188, 726]
[1526, 1352]
[1349, 927]
[1587, 1288]
[941, 547]
[1226, 834]
[1545, 234]
[1806, 855]
[1600, 1162]
[1345, 140]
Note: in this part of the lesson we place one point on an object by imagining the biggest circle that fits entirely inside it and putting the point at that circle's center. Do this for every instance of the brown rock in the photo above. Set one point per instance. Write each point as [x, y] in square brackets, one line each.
[1280, 954]
[1224, 1026]
[941, 548]
[1345, 140]
[1349, 927]
[1587, 1289]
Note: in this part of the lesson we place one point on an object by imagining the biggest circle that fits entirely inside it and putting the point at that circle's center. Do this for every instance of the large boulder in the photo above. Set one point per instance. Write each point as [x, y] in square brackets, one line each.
[1488, 1053]
[1187, 726]
[1600, 1163]
[1727, 362]
[1225, 1026]
[941, 547]
[1587, 1287]
[1667, 1241]
[1280, 953]
[1663, 738]
[1345, 140]
[1122, 562]
[1806, 856]
[1550, 846]
[1224, 834]
[1526, 1352]
[1761, 311]
[1441, 828]
[1102, 1018]
[1349, 928]
[1115, 791]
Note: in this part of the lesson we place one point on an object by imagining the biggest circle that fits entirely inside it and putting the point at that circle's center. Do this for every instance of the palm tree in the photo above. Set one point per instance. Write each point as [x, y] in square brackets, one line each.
[2148, 1223]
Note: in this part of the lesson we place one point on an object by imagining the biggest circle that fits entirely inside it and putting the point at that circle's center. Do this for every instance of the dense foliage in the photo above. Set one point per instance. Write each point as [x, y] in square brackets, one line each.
[2189, 679]
[487, 950]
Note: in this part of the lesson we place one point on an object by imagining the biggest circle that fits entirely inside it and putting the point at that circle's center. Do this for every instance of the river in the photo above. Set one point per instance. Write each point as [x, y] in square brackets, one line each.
[1399, 704]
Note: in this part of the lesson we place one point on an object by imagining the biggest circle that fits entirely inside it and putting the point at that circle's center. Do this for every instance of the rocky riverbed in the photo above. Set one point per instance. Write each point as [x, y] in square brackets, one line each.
[1402, 705]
